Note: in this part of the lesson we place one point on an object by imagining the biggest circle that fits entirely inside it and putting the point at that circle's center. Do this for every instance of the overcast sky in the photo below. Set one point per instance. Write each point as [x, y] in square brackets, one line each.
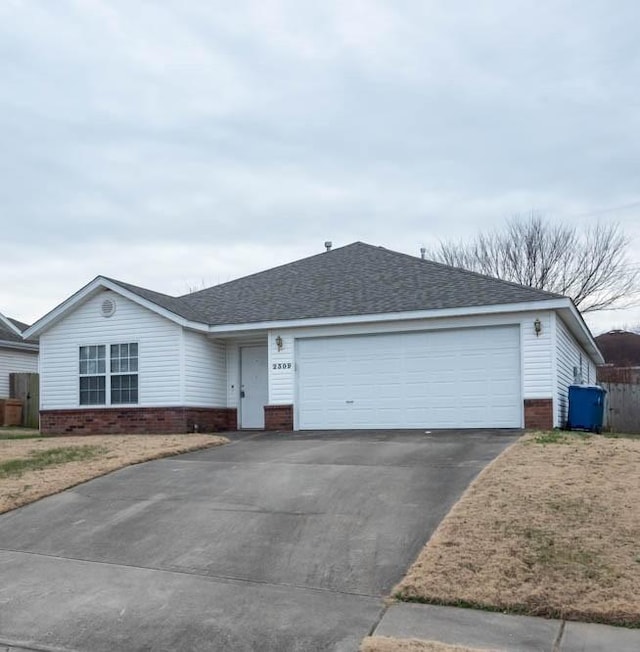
[176, 144]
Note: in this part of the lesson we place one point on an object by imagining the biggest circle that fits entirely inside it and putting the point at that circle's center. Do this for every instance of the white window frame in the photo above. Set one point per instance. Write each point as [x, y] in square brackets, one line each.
[117, 366]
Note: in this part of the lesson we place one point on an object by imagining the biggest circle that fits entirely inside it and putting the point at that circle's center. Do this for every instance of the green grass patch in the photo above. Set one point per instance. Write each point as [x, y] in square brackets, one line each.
[52, 457]
[561, 437]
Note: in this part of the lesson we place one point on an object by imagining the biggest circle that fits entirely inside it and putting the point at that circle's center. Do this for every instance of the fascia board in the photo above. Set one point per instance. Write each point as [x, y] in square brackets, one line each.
[20, 346]
[92, 288]
[10, 325]
[578, 327]
[530, 306]
[154, 307]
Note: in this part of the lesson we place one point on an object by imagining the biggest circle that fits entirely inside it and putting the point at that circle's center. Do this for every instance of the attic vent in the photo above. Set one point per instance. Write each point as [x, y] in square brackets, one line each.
[108, 308]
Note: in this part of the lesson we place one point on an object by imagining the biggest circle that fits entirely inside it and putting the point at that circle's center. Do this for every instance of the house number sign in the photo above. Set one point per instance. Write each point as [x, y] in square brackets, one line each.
[281, 365]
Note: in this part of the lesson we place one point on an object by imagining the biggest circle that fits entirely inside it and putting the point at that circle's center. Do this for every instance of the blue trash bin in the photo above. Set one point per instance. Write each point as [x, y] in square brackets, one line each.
[586, 407]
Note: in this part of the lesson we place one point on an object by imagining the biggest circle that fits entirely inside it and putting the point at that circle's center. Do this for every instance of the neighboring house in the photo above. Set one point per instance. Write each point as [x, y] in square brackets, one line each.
[16, 353]
[356, 337]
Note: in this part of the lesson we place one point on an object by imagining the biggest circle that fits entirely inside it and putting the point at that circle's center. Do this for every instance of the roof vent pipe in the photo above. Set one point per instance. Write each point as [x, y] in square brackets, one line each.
[328, 244]
[423, 251]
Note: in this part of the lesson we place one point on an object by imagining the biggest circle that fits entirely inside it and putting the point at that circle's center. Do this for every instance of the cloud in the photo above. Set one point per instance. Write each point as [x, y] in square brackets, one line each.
[134, 133]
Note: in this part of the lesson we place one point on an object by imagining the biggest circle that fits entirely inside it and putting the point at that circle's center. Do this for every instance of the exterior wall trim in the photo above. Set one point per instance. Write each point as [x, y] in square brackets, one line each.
[19, 346]
[554, 366]
[92, 288]
[532, 306]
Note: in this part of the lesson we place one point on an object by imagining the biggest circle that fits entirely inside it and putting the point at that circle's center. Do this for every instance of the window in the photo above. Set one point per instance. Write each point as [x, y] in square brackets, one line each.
[124, 383]
[121, 387]
[92, 375]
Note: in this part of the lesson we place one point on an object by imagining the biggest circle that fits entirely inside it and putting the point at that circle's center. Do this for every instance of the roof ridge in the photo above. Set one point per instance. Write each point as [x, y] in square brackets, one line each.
[125, 284]
[270, 269]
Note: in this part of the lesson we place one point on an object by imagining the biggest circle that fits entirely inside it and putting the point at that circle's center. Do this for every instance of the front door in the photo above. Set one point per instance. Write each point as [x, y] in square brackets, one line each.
[254, 392]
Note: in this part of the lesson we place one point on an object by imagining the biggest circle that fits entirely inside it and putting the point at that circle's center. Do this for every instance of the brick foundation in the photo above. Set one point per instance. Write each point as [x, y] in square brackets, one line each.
[278, 417]
[137, 421]
[538, 413]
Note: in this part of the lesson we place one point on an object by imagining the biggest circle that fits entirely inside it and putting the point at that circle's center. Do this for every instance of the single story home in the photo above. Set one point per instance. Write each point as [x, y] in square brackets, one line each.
[17, 355]
[354, 337]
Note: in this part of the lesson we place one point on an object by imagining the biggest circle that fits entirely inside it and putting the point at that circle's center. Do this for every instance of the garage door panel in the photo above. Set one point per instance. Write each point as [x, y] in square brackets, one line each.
[459, 378]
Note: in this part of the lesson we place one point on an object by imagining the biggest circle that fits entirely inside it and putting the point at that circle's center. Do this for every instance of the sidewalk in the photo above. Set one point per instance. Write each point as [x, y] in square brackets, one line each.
[498, 631]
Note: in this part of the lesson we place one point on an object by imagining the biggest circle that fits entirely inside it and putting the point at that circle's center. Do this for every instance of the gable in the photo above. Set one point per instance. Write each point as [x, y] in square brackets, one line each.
[158, 340]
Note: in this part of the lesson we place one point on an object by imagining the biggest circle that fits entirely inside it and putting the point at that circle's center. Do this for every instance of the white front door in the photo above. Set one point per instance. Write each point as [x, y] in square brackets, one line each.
[254, 391]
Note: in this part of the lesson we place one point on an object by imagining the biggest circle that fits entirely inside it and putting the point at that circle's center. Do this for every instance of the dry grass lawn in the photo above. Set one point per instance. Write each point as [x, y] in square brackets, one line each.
[384, 644]
[90, 457]
[550, 528]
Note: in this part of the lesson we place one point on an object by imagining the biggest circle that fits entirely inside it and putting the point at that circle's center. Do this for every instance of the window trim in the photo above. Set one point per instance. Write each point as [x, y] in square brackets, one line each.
[108, 374]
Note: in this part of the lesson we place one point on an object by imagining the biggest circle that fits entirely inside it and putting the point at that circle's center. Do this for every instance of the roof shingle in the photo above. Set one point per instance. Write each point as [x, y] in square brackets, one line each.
[9, 335]
[357, 279]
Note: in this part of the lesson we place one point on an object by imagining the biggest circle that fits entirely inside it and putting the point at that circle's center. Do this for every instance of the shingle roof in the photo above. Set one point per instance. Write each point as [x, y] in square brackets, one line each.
[9, 335]
[176, 305]
[353, 280]
[357, 279]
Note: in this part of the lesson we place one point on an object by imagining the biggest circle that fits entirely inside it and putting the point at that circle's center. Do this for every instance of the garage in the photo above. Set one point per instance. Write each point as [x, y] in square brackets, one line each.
[463, 378]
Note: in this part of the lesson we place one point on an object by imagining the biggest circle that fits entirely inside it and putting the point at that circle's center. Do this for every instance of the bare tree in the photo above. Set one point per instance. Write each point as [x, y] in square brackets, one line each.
[589, 265]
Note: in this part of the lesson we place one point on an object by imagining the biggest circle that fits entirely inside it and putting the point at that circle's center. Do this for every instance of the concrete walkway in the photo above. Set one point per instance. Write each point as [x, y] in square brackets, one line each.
[498, 631]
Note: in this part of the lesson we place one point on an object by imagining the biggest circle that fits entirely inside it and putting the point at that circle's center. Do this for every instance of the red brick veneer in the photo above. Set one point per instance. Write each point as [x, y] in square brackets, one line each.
[538, 413]
[119, 421]
[278, 417]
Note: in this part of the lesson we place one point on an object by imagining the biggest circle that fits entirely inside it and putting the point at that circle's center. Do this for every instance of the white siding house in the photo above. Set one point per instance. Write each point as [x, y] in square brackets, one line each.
[159, 351]
[205, 370]
[16, 354]
[359, 337]
[15, 361]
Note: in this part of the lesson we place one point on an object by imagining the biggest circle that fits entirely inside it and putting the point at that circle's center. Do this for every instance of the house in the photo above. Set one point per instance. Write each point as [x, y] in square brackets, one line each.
[354, 337]
[17, 355]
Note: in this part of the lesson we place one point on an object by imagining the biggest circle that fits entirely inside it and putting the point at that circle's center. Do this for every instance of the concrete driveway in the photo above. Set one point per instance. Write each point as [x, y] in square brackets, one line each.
[274, 542]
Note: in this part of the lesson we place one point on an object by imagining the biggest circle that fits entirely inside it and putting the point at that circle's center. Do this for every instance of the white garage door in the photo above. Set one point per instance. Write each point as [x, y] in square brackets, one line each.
[465, 378]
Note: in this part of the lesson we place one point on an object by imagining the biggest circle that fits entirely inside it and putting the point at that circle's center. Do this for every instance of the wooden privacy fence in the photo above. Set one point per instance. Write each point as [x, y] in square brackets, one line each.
[622, 407]
[26, 387]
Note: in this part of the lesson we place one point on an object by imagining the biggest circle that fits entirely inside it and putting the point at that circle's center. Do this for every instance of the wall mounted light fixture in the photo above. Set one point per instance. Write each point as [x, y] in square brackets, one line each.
[279, 343]
[537, 327]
